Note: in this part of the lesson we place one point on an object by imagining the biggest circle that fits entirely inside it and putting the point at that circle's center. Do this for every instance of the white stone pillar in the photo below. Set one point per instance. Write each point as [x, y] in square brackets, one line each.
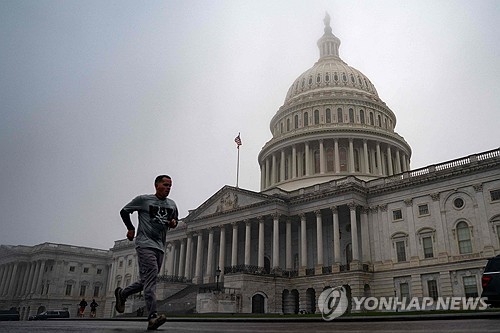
[390, 170]
[261, 243]
[337, 155]
[248, 244]
[35, 277]
[288, 244]
[234, 249]
[263, 176]
[411, 229]
[336, 235]
[276, 241]
[319, 237]
[366, 159]
[210, 254]
[308, 159]
[351, 156]
[13, 280]
[282, 166]
[354, 232]
[379, 160]
[484, 229]
[303, 241]
[171, 260]
[365, 236]
[222, 249]
[198, 275]
[273, 170]
[321, 157]
[3, 274]
[182, 259]
[267, 173]
[398, 162]
[40, 278]
[294, 162]
[189, 250]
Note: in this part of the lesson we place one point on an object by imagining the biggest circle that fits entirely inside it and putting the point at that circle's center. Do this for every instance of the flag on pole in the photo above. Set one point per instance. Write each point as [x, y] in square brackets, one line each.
[238, 141]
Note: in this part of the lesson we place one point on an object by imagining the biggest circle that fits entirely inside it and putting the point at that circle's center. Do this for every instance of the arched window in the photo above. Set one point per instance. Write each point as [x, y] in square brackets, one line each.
[288, 125]
[287, 168]
[372, 122]
[296, 121]
[340, 116]
[281, 127]
[306, 119]
[316, 162]
[316, 117]
[362, 116]
[351, 115]
[463, 237]
[379, 121]
[330, 160]
[328, 116]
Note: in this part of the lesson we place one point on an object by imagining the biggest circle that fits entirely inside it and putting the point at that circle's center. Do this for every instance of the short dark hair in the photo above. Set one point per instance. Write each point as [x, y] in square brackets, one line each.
[160, 177]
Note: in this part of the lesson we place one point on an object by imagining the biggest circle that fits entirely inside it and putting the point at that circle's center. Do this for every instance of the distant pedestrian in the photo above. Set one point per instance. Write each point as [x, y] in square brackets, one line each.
[157, 214]
[93, 308]
[83, 304]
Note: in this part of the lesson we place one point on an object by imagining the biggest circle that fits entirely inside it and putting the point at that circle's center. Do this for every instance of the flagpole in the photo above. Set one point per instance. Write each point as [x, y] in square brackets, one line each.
[238, 167]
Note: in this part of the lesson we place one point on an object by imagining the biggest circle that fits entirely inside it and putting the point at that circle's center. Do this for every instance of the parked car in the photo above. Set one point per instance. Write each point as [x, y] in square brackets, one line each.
[491, 282]
[51, 314]
[11, 314]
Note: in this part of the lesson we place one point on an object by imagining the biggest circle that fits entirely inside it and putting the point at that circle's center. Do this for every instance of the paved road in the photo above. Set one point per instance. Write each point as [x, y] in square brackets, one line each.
[102, 326]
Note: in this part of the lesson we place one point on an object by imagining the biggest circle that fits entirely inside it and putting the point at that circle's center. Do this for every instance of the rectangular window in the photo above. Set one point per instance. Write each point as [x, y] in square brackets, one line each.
[129, 262]
[71, 268]
[423, 210]
[82, 290]
[69, 287]
[404, 290]
[96, 291]
[85, 269]
[120, 264]
[498, 233]
[427, 244]
[397, 215]
[433, 289]
[470, 286]
[401, 251]
[495, 195]
[99, 271]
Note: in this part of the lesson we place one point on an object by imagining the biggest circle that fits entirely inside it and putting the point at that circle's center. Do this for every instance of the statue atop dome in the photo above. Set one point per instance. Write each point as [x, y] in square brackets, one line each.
[326, 20]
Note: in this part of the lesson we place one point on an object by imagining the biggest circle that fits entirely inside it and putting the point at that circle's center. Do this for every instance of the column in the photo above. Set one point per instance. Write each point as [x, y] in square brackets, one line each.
[248, 235]
[3, 277]
[288, 258]
[294, 162]
[413, 255]
[354, 232]
[398, 162]
[390, 171]
[336, 235]
[171, 262]
[441, 247]
[267, 173]
[377, 243]
[198, 275]
[273, 170]
[35, 276]
[308, 160]
[234, 249]
[482, 217]
[222, 249]
[263, 176]
[321, 157]
[337, 156]
[365, 236]
[189, 249]
[210, 255]
[182, 259]
[39, 279]
[282, 165]
[303, 242]
[260, 259]
[406, 166]
[319, 239]
[276, 241]
[351, 156]
[365, 152]
[379, 160]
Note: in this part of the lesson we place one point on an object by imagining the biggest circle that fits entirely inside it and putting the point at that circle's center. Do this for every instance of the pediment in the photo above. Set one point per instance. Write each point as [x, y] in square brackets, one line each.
[228, 199]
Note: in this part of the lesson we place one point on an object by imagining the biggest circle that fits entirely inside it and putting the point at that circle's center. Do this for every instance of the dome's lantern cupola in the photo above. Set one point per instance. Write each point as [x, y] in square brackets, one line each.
[328, 44]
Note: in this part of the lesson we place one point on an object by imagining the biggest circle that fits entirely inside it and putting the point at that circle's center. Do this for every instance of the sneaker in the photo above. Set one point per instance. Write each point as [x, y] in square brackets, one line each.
[120, 301]
[156, 322]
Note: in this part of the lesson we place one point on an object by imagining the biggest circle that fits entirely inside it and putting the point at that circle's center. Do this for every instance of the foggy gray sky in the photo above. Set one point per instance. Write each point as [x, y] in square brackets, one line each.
[99, 97]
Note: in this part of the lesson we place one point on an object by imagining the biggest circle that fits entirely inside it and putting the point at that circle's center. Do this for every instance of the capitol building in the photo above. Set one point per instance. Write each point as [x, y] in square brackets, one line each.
[339, 205]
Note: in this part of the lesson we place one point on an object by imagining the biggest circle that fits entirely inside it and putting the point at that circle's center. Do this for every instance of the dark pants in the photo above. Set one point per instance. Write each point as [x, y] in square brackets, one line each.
[150, 261]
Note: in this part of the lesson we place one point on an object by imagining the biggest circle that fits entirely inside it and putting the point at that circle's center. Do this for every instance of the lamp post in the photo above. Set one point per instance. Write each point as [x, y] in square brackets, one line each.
[217, 274]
